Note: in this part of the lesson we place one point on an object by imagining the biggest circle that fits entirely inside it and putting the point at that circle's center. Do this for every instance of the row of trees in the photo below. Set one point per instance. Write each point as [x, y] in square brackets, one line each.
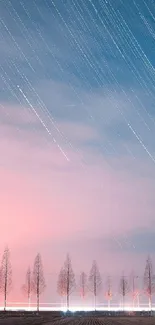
[66, 281]
[93, 284]
[35, 282]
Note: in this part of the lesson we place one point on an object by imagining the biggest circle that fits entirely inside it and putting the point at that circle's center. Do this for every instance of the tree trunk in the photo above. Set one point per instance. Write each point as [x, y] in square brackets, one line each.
[150, 303]
[138, 304]
[95, 302]
[133, 302]
[62, 302]
[5, 291]
[83, 301]
[67, 301]
[29, 302]
[123, 302]
[5, 301]
[38, 302]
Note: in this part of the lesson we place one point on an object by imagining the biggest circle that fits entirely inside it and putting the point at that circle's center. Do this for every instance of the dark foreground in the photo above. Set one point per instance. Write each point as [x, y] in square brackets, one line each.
[51, 318]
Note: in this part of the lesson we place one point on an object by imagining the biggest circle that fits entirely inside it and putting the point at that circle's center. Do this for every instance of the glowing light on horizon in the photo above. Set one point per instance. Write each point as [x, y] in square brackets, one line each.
[79, 308]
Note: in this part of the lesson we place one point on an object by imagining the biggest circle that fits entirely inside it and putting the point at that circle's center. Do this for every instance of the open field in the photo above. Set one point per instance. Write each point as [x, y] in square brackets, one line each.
[105, 321]
[57, 319]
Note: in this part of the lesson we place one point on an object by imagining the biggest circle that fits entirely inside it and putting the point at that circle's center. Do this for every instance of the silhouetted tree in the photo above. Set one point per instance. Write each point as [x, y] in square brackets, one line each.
[5, 275]
[108, 293]
[95, 281]
[69, 279]
[124, 288]
[61, 284]
[149, 281]
[27, 286]
[83, 285]
[38, 281]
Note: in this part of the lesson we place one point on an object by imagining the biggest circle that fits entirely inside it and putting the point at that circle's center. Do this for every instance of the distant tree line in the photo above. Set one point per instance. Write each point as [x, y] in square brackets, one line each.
[35, 282]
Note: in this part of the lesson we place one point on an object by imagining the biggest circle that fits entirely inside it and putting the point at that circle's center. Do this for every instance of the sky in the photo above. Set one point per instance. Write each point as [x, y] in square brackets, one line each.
[77, 135]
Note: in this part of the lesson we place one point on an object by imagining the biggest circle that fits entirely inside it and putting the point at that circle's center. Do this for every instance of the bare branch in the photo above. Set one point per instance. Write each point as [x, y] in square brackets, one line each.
[83, 284]
[61, 284]
[124, 288]
[27, 286]
[66, 280]
[95, 281]
[149, 280]
[108, 292]
[5, 275]
[134, 288]
[38, 281]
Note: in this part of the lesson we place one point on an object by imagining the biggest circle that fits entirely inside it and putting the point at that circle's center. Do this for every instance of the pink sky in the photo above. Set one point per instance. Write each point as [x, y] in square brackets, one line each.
[54, 206]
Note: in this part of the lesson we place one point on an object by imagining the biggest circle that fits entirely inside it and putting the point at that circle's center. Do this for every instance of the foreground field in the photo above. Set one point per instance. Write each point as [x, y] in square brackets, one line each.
[77, 320]
[105, 321]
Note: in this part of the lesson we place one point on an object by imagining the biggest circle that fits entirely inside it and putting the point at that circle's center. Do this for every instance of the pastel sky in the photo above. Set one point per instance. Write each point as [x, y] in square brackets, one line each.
[77, 134]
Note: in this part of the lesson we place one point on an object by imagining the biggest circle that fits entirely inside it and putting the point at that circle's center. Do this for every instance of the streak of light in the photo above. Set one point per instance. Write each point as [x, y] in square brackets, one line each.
[43, 124]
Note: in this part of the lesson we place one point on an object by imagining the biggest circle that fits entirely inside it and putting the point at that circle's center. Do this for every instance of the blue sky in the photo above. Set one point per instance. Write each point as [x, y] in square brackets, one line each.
[93, 48]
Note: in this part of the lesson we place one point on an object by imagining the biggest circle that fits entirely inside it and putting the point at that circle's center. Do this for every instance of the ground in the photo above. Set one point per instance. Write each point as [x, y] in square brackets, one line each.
[50, 319]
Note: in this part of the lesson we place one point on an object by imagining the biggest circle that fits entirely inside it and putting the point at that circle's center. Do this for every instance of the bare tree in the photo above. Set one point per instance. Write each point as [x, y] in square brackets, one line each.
[108, 291]
[124, 288]
[5, 275]
[69, 279]
[149, 281]
[27, 286]
[83, 285]
[38, 281]
[134, 289]
[95, 281]
[61, 284]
